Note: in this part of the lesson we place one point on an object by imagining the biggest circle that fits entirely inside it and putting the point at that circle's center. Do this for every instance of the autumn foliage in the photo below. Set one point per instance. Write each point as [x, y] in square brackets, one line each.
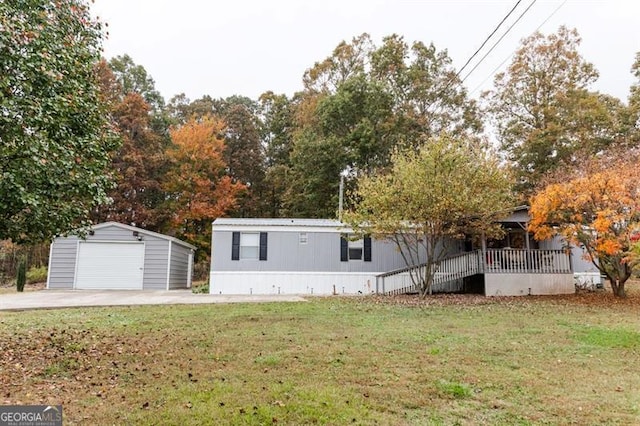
[197, 186]
[430, 197]
[598, 209]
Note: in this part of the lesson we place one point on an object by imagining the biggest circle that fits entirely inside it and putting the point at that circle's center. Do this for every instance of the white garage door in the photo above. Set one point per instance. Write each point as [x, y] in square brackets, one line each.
[103, 265]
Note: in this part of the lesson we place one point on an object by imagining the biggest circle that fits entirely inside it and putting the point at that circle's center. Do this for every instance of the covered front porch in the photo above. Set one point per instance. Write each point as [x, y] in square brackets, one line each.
[515, 265]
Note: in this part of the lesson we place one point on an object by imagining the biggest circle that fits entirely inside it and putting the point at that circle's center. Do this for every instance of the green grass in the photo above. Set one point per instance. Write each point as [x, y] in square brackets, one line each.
[609, 338]
[334, 361]
[454, 389]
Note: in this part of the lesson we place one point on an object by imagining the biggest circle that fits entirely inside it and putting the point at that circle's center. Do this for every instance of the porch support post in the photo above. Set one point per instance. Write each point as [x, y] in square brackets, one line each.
[484, 251]
[525, 228]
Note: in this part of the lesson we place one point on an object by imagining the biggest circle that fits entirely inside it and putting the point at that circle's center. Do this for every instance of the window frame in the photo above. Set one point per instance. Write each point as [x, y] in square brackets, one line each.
[349, 247]
[255, 247]
[355, 249]
[237, 240]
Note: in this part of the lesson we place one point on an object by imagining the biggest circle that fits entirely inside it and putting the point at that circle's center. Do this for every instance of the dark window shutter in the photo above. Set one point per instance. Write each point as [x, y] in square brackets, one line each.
[263, 246]
[367, 249]
[235, 246]
[344, 249]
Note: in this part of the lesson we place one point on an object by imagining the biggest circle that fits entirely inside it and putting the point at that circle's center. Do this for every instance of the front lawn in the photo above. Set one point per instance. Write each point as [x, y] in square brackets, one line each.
[454, 360]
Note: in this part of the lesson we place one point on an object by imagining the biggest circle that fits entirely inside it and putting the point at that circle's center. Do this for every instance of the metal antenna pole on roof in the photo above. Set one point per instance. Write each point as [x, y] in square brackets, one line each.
[341, 197]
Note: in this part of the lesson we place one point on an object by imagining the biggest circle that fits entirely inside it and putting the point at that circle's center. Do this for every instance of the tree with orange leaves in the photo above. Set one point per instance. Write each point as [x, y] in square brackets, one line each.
[198, 189]
[597, 209]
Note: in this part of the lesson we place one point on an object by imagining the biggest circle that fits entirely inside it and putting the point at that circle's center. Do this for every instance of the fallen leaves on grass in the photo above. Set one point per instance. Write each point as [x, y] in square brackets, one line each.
[595, 299]
[56, 363]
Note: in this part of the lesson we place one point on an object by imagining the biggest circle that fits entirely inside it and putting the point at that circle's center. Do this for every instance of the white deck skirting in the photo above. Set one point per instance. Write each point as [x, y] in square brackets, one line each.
[527, 284]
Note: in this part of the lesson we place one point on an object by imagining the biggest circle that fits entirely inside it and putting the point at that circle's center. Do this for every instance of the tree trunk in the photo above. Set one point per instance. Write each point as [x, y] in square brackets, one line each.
[618, 288]
[427, 281]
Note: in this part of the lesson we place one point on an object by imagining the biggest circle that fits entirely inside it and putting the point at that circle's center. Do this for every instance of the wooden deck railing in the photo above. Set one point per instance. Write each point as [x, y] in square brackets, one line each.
[451, 271]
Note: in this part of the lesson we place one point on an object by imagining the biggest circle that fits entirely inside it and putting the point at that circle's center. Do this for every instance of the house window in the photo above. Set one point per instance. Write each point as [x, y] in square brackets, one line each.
[355, 249]
[249, 245]
[303, 238]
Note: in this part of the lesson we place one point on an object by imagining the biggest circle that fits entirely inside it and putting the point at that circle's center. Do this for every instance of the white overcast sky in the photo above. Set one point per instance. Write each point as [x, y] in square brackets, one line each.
[246, 47]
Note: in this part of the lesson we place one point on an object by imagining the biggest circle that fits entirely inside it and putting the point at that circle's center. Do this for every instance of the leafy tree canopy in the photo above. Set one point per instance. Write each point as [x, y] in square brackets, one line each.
[134, 78]
[244, 154]
[54, 136]
[632, 120]
[598, 208]
[360, 104]
[448, 188]
[197, 187]
[543, 109]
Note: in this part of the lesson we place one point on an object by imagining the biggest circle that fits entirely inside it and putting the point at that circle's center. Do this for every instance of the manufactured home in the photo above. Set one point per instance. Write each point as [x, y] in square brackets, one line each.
[317, 256]
[301, 256]
[118, 256]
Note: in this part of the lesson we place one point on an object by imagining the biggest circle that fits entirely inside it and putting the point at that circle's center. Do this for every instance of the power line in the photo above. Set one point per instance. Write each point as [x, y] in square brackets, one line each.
[451, 80]
[499, 40]
[488, 38]
[511, 55]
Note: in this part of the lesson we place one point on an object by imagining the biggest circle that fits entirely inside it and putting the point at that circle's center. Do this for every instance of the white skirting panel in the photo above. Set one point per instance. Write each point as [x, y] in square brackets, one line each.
[588, 280]
[525, 284]
[320, 283]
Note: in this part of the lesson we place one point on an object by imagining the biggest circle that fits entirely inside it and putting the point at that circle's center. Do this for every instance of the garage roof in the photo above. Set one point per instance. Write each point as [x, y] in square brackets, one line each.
[142, 231]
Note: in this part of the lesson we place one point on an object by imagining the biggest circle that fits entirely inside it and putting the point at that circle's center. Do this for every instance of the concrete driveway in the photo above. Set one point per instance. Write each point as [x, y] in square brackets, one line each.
[52, 299]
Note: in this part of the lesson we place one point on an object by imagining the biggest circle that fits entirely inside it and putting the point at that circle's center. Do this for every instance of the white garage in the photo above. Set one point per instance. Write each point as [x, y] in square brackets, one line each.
[114, 256]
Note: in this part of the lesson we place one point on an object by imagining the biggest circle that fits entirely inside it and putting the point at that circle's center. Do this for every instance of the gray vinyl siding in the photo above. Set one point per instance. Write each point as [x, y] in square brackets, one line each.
[62, 264]
[156, 257]
[578, 262]
[321, 253]
[179, 266]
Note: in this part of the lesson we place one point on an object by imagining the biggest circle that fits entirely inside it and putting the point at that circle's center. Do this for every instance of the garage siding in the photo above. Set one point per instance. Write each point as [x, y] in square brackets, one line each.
[179, 269]
[155, 264]
[62, 263]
